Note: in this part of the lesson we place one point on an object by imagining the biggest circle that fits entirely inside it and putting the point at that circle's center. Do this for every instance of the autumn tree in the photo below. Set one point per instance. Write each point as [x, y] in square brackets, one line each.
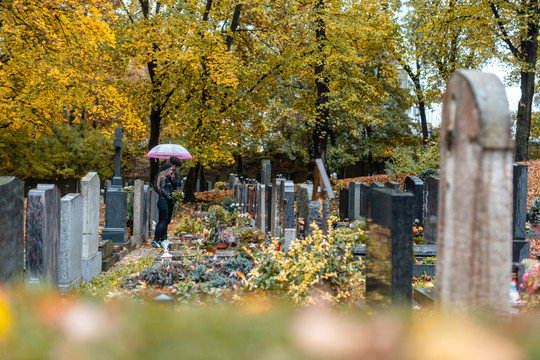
[56, 70]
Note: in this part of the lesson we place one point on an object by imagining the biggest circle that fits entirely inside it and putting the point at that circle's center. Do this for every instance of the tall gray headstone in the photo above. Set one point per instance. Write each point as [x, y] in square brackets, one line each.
[475, 196]
[71, 241]
[431, 201]
[277, 198]
[303, 195]
[138, 213]
[266, 177]
[261, 208]
[91, 256]
[354, 201]
[12, 225]
[520, 246]
[116, 200]
[42, 234]
[414, 185]
[147, 189]
[289, 222]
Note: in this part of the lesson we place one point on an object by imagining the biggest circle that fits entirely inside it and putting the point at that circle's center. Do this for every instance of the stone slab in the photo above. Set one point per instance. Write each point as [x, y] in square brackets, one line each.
[91, 266]
[12, 225]
[71, 242]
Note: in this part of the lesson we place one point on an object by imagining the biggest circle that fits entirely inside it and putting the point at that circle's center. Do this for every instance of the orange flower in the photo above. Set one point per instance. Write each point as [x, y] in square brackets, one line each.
[421, 228]
[414, 229]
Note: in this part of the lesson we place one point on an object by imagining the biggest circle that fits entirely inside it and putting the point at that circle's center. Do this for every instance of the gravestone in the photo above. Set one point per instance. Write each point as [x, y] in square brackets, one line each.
[289, 223]
[354, 201]
[389, 248]
[208, 186]
[91, 257]
[520, 246]
[364, 191]
[71, 241]
[106, 187]
[322, 191]
[147, 189]
[277, 198]
[261, 208]
[233, 180]
[303, 198]
[414, 185]
[42, 234]
[266, 177]
[377, 185]
[138, 213]
[392, 185]
[268, 204]
[12, 225]
[344, 204]
[198, 185]
[475, 209]
[431, 201]
[116, 201]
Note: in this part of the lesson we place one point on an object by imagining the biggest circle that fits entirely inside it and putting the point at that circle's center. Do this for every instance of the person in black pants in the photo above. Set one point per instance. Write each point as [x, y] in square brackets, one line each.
[165, 188]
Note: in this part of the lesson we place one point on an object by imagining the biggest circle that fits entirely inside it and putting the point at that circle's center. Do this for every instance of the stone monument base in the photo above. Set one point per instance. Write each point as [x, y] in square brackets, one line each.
[64, 288]
[91, 266]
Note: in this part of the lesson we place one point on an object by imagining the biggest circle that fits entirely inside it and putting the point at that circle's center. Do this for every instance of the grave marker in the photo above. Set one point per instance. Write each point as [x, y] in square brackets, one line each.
[12, 225]
[414, 185]
[71, 241]
[431, 201]
[475, 198]
[322, 190]
[266, 177]
[91, 256]
[289, 223]
[354, 201]
[520, 246]
[389, 248]
[42, 234]
[344, 204]
[138, 213]
[116, 201]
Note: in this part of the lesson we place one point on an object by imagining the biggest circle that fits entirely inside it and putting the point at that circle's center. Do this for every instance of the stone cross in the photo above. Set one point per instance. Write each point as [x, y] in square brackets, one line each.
[474, 228]
[118, 145]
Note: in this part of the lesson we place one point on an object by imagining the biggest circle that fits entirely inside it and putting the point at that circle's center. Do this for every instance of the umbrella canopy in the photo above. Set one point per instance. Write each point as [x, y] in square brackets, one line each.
[164, 151]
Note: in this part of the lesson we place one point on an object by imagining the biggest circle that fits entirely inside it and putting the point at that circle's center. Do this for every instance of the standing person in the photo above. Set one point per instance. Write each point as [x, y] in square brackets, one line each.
[165, 188]
[176, 163]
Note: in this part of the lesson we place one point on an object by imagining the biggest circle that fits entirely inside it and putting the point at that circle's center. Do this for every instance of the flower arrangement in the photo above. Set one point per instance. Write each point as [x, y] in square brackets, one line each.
[531, 286]
[418, 232]
[243, 219]
[178, 195]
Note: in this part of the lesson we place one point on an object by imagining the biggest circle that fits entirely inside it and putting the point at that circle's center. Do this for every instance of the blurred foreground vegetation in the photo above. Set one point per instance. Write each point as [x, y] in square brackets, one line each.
[42, 325]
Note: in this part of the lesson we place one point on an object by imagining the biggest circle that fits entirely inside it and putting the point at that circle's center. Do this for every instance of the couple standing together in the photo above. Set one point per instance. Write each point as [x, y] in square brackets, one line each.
[165, 184]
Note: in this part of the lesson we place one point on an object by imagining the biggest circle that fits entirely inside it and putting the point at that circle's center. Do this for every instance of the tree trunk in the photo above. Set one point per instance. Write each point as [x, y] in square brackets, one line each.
[523, 121]
[191, 181]
[322, 110]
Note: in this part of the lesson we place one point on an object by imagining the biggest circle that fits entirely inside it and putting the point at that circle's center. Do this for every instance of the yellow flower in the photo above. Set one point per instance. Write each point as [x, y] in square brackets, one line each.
[5, 316]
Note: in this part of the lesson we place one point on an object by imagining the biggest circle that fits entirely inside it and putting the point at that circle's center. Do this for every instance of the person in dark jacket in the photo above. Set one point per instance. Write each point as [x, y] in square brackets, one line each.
[165, 204]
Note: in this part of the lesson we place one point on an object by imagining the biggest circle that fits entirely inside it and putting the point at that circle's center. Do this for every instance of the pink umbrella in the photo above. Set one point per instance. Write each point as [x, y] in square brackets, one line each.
[164, 151]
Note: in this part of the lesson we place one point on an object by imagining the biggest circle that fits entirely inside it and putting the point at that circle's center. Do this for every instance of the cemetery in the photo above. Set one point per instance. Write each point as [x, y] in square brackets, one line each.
[236, 180]
[451, 242]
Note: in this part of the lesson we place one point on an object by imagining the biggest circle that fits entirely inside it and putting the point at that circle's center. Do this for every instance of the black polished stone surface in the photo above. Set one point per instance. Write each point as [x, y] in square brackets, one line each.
[389, 248]
[414, 185]
[431, 203]
[520, 202]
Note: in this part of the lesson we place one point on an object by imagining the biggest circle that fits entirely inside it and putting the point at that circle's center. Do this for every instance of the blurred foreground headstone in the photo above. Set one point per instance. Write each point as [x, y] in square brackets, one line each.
[475, 195]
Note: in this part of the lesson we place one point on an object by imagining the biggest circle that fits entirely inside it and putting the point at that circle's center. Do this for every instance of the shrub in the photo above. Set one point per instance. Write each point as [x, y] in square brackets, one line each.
[189, 225]
[533, 214]
[220, 185]
[230, 204]
[129, 208]
[249, 235]
[319, 262]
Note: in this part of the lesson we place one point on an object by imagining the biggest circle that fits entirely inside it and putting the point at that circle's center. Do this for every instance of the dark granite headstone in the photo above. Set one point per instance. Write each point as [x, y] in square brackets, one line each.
[377, 185]
[268, 203]
[414, 185]
[266, 177]
[344, 204]
[12, 225]
[354, 201]
[393, 185]
[431, 203]
[389, 248]
[43, 234]
[364, 191]
[116, 200]
[520, 246]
